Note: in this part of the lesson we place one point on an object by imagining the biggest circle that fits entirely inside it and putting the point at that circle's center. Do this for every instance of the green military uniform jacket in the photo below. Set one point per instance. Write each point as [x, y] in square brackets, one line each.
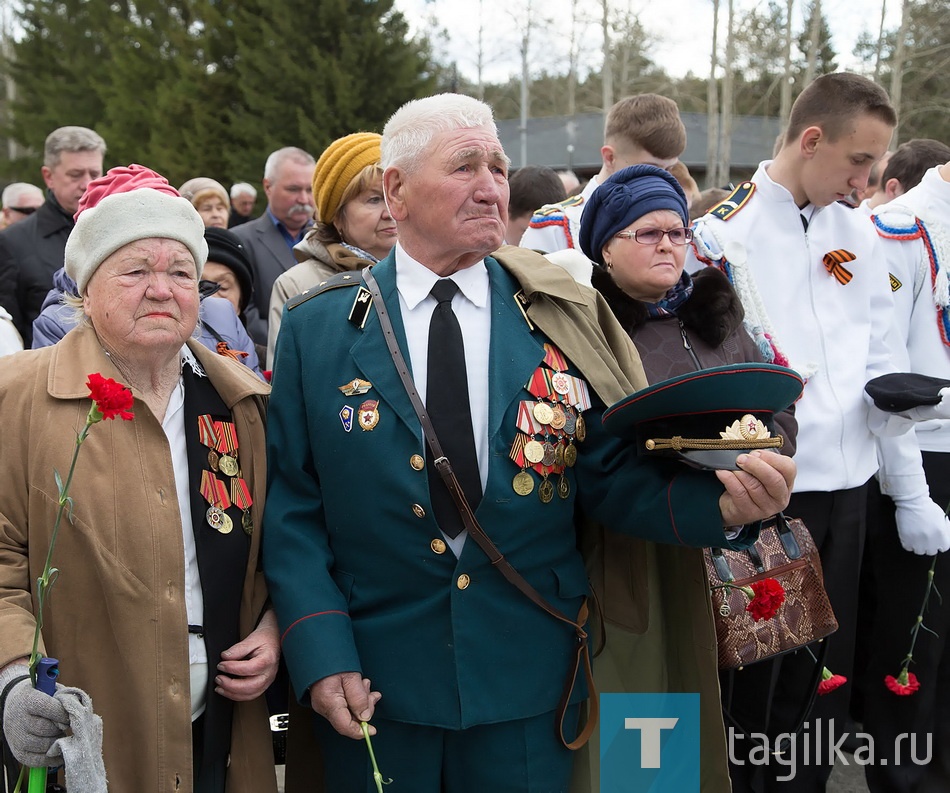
[348, 549]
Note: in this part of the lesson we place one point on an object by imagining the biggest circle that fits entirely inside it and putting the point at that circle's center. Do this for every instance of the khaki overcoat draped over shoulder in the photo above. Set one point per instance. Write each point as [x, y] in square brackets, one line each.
[660, 634]
[116, 617]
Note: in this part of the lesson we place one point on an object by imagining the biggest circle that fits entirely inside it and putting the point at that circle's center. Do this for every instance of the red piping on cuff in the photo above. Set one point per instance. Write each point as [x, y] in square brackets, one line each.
[308, 616]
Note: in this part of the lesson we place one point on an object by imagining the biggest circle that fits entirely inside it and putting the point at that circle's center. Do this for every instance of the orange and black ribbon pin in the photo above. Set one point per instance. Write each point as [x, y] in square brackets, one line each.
[834, 264]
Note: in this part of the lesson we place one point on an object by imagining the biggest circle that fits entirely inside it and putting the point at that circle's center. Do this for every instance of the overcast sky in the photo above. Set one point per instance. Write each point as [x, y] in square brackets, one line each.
[683, 30]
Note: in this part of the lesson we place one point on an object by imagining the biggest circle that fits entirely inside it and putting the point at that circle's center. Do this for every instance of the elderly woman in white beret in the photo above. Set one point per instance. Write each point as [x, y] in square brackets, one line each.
[160, 612]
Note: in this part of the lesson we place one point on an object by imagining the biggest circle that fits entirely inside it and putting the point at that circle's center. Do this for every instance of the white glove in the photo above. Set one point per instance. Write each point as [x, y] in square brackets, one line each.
[926, 412]
[922, 526]
[885, 424]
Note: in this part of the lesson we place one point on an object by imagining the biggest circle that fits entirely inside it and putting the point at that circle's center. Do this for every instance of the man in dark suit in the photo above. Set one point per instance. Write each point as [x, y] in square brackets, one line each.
[243, 196]
[372, 573]
[31, 251]
[269, 240]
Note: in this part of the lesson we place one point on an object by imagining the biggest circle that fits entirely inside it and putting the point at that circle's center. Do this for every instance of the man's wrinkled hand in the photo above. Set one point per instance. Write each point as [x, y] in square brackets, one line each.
[759, 490]
[250, 666]
[344, 700]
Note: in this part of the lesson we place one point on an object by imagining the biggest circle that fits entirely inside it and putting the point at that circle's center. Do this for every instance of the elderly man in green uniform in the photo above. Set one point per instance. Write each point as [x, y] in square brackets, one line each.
[374, 574]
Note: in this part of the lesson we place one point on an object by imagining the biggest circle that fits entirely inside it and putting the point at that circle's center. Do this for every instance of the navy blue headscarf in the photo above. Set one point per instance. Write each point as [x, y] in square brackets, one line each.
[627, 195]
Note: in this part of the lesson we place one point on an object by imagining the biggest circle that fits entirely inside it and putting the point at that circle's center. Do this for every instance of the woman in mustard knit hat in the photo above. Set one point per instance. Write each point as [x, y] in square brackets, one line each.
[353, 227]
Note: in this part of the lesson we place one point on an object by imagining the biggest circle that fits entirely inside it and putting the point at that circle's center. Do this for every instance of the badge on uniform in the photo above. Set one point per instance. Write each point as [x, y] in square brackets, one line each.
[356, 387]
[368, 415]
[346, 416]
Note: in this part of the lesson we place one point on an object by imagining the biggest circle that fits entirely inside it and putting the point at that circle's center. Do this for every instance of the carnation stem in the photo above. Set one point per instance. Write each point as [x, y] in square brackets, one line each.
[377, 776]
[43, 583]
[920, 617]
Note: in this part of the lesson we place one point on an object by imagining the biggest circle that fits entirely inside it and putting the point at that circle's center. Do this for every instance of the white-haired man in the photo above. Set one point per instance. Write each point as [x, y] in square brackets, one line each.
[243, 196]
[19, 201]
[372, 569]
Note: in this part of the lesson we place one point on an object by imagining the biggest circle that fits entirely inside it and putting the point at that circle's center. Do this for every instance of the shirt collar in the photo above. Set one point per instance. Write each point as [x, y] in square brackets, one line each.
[414, 280]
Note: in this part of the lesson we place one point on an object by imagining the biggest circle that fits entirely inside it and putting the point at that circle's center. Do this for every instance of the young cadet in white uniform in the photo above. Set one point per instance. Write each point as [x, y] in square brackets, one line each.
[811, 276]
[646, 128]
[915, 231]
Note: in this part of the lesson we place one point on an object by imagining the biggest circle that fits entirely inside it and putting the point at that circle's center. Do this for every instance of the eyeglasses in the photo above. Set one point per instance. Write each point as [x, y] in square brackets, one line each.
[24, 210]
[653, 236]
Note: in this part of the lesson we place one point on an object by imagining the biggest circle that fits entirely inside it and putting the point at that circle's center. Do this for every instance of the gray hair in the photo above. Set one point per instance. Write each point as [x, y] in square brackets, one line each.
[412, 127]
[243, 188]
[277, 158]
[71, 139]
[13, 194]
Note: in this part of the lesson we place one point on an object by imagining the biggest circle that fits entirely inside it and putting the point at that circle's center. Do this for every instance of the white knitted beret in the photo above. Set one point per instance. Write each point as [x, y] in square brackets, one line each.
[122, 218]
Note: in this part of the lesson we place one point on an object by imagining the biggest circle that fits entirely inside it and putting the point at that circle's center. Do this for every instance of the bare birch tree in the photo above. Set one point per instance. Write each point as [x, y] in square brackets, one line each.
[712, 107]
[728, 80]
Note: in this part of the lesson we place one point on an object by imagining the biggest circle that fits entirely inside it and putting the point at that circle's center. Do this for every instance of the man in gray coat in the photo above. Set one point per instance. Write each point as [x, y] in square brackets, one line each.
[269, 240]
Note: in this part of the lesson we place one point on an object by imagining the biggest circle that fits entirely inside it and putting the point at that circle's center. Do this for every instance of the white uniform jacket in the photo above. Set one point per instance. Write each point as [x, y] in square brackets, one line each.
[915, 232]
[828, 322]
[555, 227]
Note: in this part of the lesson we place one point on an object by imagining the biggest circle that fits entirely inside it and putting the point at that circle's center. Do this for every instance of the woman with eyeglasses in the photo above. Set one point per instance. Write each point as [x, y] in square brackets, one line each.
[635, 229]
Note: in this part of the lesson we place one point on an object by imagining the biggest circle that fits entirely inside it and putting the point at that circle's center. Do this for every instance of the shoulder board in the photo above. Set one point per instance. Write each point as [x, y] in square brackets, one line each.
[731, 205]
[560, 206]
[896, 224]
[334, 282]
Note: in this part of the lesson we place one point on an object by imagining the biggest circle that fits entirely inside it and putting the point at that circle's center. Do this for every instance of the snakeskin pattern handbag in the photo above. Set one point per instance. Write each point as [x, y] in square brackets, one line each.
[786, 552]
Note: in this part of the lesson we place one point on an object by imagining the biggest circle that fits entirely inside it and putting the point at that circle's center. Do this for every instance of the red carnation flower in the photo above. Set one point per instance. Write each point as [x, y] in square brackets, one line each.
[904, 684]
[110, 398]
[768, 596]
[830, 682]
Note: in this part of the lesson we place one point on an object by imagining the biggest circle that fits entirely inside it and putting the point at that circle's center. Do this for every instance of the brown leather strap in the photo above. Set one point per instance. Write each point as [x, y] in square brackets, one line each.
[477, 533]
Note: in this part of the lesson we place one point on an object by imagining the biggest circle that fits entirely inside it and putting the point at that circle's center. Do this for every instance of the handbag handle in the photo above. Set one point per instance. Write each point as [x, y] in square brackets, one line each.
[475, 530]
[786, 536]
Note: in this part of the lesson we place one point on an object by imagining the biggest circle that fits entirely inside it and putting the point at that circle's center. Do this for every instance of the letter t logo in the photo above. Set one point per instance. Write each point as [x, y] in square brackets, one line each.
[650, 730]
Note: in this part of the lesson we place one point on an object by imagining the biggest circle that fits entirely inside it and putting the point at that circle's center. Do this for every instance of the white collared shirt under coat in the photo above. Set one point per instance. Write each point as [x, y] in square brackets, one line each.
[472, 307]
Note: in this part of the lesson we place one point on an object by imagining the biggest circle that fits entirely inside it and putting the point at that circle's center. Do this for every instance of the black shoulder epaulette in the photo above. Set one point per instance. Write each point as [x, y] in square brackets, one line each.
[333, 282]
[731, 205]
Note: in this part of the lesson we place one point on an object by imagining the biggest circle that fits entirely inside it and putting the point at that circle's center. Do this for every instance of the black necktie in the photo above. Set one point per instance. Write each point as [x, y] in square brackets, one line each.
[449, 409]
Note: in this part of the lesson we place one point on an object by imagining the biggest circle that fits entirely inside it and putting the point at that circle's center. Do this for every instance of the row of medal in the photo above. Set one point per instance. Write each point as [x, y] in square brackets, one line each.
[221, 439]
[548, 427]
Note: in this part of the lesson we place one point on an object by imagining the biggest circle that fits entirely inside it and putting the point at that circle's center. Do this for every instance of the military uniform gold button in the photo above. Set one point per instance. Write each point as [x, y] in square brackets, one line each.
[463, 581]
[418, 510]
[417, 462]
[437, 545]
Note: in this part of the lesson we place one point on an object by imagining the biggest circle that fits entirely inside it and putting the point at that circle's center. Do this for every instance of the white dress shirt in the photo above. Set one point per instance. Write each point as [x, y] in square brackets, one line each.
[174, 427]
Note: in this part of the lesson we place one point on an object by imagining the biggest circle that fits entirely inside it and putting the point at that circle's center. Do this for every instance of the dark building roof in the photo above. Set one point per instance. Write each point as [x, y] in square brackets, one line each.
[753, 138]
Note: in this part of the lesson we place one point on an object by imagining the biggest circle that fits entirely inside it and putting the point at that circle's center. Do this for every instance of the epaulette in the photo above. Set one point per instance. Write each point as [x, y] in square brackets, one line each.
[560, 206]
[333, 282]
[896, 223]
[728, 207]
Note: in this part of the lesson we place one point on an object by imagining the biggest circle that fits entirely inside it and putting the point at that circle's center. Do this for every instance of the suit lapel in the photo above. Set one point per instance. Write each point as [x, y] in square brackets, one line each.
[372, 356]
[273, 240]
[514, 354]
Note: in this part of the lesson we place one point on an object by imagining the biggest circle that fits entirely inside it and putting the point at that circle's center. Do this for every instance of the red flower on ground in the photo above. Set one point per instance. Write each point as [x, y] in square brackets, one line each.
[111, 398]
[904, 684]
[768, 596]
[830, 682]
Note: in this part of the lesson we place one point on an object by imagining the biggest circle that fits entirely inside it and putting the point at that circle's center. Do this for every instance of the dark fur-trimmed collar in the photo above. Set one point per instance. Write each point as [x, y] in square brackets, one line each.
[712, 313]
